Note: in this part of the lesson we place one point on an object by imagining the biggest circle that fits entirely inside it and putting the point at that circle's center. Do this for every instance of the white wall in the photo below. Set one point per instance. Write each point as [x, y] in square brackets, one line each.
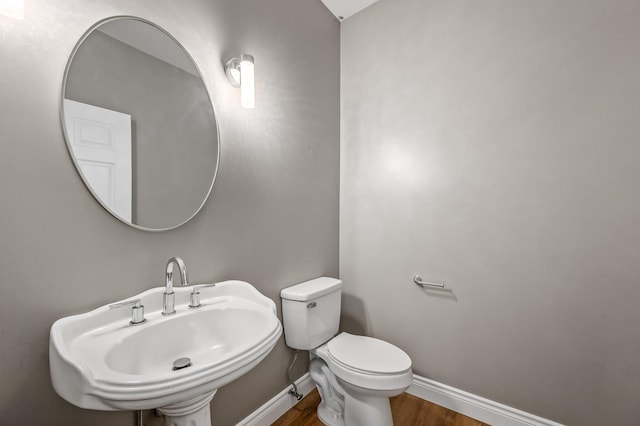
[272, 219]
[494, 145]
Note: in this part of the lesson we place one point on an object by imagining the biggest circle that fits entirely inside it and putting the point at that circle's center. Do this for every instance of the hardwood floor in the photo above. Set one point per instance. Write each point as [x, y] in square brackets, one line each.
[407, 410]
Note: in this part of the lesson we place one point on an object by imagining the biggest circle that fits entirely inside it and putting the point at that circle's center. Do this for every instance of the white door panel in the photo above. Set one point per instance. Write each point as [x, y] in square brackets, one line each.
[101, 144]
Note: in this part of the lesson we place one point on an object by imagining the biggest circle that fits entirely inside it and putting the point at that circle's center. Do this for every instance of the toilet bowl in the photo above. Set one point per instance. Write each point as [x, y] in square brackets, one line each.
[355, 375]
[366, 372]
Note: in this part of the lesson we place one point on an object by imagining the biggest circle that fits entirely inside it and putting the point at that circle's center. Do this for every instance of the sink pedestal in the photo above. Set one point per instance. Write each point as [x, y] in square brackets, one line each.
[194, 412]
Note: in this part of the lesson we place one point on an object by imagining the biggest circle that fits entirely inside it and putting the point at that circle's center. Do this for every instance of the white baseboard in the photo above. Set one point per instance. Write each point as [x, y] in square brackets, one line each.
[473, 406]
[273, 409]
[470, 405]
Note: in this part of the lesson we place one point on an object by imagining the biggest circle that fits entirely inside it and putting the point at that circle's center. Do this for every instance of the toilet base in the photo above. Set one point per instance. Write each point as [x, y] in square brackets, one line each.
[329, 416]
[331, 408]
[345, 404]
[366, 408]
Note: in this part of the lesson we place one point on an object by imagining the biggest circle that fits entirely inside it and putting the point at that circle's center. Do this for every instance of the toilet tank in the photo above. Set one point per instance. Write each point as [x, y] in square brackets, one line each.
[311, 312]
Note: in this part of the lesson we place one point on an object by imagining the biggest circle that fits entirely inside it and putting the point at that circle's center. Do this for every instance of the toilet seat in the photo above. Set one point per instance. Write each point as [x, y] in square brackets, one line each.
[367, 362]
[368, 355]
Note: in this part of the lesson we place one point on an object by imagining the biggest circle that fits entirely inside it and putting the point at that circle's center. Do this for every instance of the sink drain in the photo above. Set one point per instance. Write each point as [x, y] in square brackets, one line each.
[181, 363]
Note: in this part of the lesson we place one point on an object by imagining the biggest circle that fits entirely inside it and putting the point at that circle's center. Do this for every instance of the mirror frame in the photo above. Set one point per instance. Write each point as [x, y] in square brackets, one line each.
[84, 36]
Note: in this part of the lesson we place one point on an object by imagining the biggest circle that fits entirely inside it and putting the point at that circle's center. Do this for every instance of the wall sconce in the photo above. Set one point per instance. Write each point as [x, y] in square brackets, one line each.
[240, 74]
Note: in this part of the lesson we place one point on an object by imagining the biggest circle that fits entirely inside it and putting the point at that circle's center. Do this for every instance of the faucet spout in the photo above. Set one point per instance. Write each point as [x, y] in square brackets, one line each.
[183, 273]
[168, 305]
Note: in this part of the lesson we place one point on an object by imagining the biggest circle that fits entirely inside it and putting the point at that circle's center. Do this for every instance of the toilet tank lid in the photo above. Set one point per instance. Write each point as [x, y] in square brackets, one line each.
[312, 289]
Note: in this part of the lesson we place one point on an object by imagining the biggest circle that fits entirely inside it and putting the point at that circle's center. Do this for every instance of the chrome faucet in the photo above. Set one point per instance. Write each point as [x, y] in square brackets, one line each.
[169, 297]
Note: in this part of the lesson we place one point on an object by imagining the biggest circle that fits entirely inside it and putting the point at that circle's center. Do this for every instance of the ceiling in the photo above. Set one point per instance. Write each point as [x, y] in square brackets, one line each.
[345, 8]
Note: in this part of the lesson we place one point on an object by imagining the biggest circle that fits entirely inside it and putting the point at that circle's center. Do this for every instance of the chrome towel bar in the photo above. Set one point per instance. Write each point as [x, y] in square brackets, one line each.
[417, 279]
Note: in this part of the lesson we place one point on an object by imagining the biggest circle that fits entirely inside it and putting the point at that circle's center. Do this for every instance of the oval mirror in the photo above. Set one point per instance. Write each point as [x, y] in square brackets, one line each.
[139, 123]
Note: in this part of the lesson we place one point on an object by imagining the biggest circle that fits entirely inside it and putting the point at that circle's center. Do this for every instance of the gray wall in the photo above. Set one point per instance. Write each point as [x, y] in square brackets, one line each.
[173, 135]
[272, 219]
[494, 145]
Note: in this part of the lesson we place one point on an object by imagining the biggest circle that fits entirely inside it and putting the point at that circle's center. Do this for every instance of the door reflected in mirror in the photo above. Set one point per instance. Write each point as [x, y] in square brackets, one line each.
[139, 123]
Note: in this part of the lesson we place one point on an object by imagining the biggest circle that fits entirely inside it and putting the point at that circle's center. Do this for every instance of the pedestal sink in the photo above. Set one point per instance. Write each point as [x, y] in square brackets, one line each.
[98, 360]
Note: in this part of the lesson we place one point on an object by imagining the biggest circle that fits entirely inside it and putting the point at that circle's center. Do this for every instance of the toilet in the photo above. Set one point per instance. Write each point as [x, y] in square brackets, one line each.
[355, 375]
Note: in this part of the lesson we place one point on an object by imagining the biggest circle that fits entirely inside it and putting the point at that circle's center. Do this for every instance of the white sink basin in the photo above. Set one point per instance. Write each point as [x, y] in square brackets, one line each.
[99, 361]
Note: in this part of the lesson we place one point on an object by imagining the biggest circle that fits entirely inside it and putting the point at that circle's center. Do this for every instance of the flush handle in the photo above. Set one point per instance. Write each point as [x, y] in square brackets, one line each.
[311, 305]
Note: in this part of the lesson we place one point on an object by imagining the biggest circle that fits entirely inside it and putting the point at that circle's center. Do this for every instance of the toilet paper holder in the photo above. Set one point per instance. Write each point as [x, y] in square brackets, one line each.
[417, 279]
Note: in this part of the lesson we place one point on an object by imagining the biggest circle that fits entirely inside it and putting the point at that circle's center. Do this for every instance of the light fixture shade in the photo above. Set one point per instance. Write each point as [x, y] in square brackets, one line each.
[240, 72]
[247, 82]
